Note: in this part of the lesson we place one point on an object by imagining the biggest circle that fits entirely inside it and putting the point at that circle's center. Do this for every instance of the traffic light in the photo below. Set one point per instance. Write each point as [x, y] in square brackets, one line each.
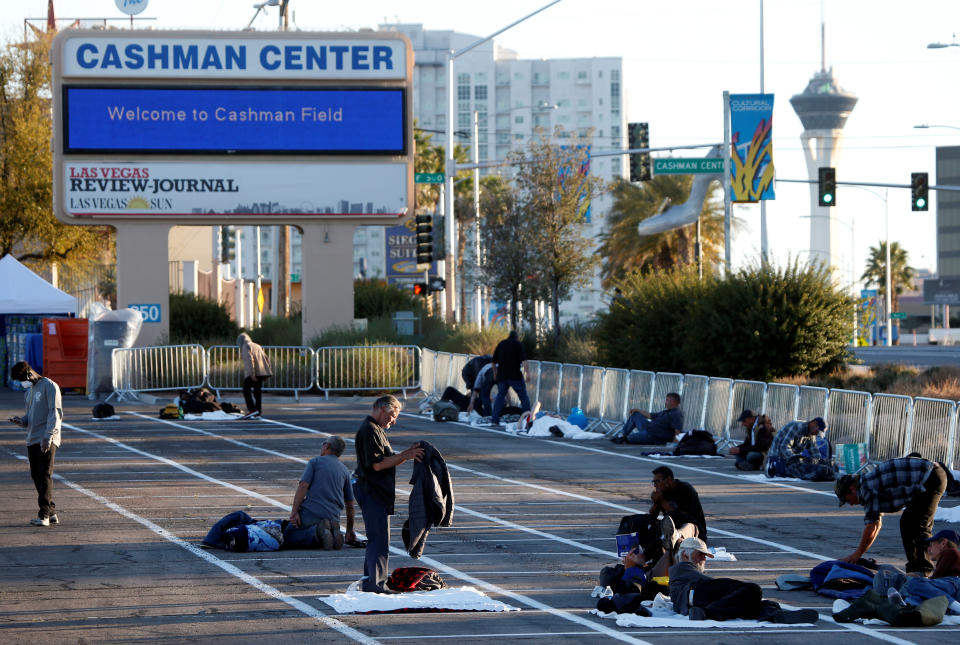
[228, 244]
[827, 185]
[421, 289]
[638, 136]
[424, 239]
[919, 187]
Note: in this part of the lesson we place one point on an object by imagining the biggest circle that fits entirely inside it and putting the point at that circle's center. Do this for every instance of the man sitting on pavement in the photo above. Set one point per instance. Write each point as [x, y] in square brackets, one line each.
[324, 491]
[701, 597]
[798, 450]
[653, 427]
[901, 589]
[677, 500]
[760, 432]
[909, 483]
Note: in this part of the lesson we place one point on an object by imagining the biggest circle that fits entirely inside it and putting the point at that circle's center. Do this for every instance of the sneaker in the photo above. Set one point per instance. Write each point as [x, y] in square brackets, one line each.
[40, 521]
[697, 613]
[251, 415]
[667, 532]
[325, 535]
[54, 519]
[895, 598]
[617, 439]
[795, 617]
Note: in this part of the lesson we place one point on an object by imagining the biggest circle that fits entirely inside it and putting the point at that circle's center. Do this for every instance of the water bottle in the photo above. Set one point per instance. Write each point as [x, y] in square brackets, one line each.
[179, 409]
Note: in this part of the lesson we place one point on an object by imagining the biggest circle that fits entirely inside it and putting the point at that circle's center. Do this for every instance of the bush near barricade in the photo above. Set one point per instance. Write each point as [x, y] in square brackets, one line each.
[759, 323]
[198, 320]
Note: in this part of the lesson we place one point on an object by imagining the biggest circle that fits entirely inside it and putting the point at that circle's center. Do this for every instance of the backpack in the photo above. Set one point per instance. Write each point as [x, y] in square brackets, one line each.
[170, 411]
[472, 368]
[445, 411]
[198, 401]
[103, 410]
[698, 442]
[415, 579]
[648, 530]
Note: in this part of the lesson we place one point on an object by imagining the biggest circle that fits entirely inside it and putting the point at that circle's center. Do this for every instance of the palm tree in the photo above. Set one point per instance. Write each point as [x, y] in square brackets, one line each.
[624, 251]
[876, 271]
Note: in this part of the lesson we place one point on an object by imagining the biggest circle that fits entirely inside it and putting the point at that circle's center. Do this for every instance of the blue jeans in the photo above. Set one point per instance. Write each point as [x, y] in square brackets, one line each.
[636, 430]
[305, 537]
[376, 524]
[519, 386]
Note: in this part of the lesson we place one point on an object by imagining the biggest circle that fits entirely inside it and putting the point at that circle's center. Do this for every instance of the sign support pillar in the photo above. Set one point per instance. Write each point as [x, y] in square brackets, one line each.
[140, 281]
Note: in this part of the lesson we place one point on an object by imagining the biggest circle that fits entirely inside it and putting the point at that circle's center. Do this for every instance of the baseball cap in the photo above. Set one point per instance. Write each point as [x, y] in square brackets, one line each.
[843, 486]
[746, 414]
[946, 534]
[697, 545]
[820, 423]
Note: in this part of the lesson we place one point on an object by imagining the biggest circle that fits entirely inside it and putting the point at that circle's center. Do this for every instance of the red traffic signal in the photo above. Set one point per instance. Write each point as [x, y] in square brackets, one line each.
[421, 289]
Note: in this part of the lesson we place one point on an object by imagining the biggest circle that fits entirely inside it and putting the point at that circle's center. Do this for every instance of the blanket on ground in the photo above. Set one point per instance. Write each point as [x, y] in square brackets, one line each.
[450, 599]
[663, 615]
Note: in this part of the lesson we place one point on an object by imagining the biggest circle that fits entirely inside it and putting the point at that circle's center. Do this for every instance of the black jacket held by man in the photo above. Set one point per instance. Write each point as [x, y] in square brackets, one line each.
[431, 500]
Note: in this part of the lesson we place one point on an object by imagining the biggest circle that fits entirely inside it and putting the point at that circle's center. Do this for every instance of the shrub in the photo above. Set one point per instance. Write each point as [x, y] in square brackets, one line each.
[277, 330]
[377, 299]
[198, 320]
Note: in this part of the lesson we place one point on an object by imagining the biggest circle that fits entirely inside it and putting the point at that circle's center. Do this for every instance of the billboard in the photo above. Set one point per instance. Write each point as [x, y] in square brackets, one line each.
[189, 127]
[401, 255]
[751, 147]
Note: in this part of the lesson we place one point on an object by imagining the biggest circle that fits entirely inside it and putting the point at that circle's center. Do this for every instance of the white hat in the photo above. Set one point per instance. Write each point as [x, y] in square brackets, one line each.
[696, 544]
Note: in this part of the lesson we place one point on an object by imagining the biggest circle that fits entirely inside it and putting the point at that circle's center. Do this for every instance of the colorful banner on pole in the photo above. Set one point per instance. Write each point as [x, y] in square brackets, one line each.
[751, 147]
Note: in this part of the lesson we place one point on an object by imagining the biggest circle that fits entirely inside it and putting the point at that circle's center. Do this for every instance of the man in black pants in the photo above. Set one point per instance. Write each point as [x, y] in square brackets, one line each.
[909, 483]
[374, 487]
[509, 359]
[701, 597]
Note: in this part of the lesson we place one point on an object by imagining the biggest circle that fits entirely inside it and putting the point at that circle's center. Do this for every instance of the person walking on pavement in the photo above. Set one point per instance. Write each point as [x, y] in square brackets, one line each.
[43, 417]
[374, 487]
[509, 363]
[256, 370]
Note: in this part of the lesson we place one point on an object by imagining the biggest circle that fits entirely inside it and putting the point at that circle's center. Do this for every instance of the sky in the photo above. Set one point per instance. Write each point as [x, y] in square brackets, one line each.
[678, 58]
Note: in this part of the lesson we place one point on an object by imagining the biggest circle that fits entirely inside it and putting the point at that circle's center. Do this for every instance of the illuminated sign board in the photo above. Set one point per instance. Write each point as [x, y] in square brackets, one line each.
[231, 120]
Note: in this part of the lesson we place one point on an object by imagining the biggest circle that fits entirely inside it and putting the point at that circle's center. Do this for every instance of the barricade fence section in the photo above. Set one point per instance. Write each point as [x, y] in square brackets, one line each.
[891, 425]
[154, 369]
[368, 368]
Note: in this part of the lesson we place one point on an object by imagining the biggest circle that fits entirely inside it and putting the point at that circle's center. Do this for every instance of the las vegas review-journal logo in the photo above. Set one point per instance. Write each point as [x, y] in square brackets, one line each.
[138, 203]
[110, 183]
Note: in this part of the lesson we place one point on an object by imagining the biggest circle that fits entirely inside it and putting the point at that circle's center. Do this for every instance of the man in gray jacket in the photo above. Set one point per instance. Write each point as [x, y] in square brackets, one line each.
[701, 597]
[44, 414]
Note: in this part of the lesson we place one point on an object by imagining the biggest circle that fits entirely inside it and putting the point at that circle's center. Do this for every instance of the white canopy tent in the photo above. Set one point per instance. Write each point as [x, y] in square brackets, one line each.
[24, 292]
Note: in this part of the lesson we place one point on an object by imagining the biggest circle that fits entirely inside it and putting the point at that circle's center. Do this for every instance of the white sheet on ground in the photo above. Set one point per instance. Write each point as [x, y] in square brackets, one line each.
[115, 417]
[670, 455]
[720, 554]
[453, 598]
[541, 428]
[840, 604]
[760, 477]
[948, 514]
[216, 415]
[666, 617]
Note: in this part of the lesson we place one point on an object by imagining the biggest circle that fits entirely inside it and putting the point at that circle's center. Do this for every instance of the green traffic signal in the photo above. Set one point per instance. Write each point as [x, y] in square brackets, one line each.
[919, 189]
[827, 186]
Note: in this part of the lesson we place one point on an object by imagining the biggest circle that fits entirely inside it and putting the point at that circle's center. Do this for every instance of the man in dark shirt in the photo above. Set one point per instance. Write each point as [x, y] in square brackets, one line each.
[912, 484]
[653, 427]
[678, 500]
[756, 443]
[509, 358]
[374, 487]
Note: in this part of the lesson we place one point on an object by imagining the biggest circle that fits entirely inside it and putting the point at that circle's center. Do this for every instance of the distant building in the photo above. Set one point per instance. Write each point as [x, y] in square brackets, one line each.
[948, 212]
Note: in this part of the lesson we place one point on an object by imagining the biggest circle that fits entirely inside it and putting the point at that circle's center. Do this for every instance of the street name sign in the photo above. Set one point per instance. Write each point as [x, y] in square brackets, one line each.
[700, 165]
[898, 315]
[429, 177]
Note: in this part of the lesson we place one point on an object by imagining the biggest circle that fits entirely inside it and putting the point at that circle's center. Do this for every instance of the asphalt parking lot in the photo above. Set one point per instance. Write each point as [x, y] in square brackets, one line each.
[534, 524]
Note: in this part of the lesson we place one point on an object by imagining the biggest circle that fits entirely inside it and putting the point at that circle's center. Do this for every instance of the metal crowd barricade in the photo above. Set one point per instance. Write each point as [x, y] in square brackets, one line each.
[717, 411]
[570, 378]
[457, 363]
[694, 401]
[640, 391]
[293, 369]
[442, 373]
[891, 419]
[616, 387]
[848, 416]
[934, 430]
[428, 371]
[781, 403]
[813, 402]
[591, 394]
[550, 374]
[153, 369]
[664, 384]
[532, 380]
[744, 395]
[368, 368]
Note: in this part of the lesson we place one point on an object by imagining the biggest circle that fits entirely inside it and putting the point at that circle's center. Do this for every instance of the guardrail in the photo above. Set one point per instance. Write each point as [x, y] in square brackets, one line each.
[890, 425]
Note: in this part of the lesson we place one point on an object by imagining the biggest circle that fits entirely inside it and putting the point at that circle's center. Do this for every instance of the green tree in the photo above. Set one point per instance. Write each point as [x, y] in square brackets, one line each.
[506, 237]
[623, 250]
[554, 189]
[875, 273]
[28, 229]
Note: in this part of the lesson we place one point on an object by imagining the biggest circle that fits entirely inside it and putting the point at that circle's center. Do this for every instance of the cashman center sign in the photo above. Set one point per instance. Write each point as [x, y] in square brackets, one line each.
[219, 126]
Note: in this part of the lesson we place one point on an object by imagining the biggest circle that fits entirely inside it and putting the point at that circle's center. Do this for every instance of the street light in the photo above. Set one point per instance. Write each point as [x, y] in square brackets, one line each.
[924, 126]
[259, 7]
[451, 164]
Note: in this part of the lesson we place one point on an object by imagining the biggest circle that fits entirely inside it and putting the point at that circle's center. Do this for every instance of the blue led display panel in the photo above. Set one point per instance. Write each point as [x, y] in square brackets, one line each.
[234, 121]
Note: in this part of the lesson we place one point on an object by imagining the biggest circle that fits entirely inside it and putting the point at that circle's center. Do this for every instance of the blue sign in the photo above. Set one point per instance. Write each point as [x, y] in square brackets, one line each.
[150, 313]
[234, 121]
[401, 247]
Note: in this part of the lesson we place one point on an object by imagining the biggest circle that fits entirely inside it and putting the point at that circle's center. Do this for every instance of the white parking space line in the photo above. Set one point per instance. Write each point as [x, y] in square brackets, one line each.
[436, 564]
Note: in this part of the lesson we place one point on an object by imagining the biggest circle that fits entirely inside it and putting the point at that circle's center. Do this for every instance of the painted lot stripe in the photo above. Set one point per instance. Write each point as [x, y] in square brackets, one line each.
[436, 564]
[782, 547]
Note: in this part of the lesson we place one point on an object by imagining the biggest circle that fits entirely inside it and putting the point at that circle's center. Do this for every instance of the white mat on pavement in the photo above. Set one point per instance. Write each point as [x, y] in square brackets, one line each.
[760, 477]
[948, 514]
[216, 415]
[840, 604]
[664, 617]
[720, 554]
[115, 417]
[452, 599]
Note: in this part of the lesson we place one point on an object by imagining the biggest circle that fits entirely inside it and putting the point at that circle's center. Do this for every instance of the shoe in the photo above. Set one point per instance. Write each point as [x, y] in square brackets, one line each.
[325, 535]
[618, 439]
[697, 613]
[337, 538]
[895, 598]
[54, 519]
[255, 415]
[667, 532]
[40, 521]
[795, 617]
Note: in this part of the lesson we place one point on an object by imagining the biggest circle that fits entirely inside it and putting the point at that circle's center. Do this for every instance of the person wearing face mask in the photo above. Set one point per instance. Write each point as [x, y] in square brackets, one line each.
[44, 414]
